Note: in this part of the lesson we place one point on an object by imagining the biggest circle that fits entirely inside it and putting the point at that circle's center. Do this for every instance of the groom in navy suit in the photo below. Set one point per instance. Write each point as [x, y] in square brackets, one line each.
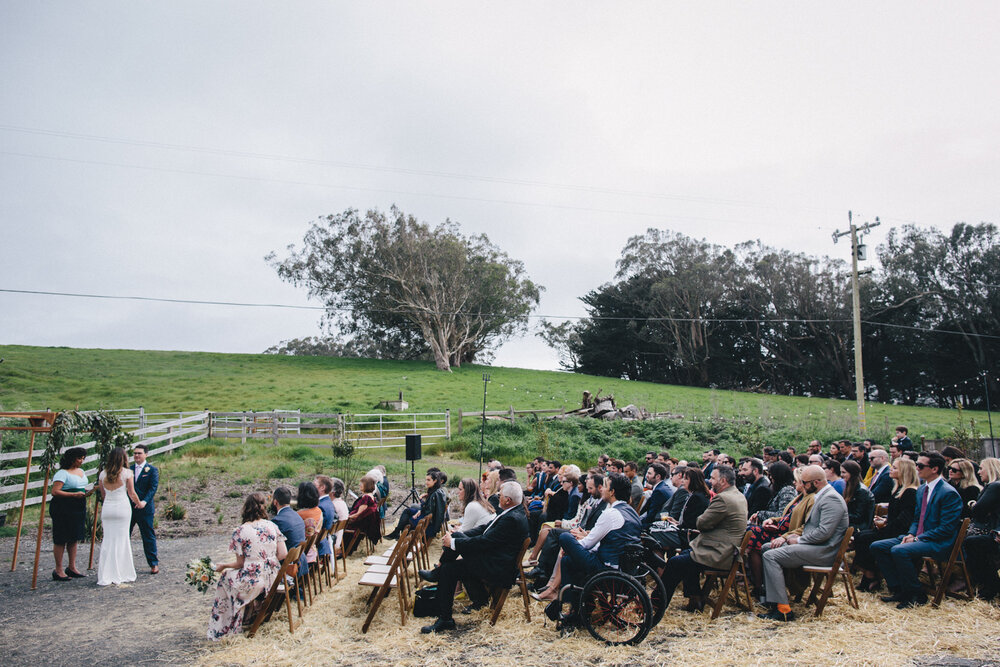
[147, 479]
[932, 533]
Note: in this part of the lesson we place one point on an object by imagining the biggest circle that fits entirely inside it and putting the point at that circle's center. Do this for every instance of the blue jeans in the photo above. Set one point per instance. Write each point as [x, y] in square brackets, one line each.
[578, 565]
[896, 562]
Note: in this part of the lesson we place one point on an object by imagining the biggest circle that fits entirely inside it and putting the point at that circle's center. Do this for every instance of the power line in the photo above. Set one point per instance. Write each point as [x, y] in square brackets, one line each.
[686, 320]
[264, 179]
[399, 170]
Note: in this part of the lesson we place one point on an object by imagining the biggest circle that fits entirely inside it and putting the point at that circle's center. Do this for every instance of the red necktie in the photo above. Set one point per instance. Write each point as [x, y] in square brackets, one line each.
[923, 511]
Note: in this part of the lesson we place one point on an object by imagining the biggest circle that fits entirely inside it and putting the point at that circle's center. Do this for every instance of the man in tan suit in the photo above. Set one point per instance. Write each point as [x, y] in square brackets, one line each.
[720, 531]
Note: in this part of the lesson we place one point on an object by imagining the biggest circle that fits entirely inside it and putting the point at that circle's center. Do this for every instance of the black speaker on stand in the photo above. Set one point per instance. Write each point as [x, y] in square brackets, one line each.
[413, 453]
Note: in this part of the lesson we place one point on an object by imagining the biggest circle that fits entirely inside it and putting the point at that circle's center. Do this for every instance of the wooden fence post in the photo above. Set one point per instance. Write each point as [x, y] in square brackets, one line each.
[24, 496]
[447, 423]
[170, 430]
[208, 418]
[461, 418]
[243, 429]
[142, 417]
[274, 428]
[512, 415]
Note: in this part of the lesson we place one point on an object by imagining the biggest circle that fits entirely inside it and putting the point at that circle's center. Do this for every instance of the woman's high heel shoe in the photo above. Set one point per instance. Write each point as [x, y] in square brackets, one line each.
[56, 577]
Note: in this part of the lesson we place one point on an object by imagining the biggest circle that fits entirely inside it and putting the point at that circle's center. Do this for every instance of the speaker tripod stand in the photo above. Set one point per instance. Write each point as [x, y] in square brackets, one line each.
[412, 495]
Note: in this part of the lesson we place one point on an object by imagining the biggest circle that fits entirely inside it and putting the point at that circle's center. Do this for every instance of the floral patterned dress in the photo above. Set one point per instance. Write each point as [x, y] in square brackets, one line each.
[257, 542]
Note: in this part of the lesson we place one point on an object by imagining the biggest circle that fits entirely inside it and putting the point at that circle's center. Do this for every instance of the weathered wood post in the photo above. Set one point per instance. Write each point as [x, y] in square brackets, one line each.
[24, 496]
[512, 415]
[243, 428]
[274, 428]
[447, 423]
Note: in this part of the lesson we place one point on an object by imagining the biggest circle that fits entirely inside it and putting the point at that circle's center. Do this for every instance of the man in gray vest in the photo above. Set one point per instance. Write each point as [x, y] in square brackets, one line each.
[602, 548]
[822, 534]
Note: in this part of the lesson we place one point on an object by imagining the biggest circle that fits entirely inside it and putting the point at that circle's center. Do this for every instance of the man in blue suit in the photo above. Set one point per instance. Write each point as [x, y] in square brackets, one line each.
[146, 480]
[932, 533]
[325, 486]
[880, 484]
[289, 523]
[657, 476]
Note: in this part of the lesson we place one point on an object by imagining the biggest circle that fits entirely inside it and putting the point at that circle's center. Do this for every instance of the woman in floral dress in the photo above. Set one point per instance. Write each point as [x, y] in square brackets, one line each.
[259, 547]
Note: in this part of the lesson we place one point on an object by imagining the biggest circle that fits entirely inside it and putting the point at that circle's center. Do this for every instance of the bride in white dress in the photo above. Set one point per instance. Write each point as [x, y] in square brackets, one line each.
[115, 562]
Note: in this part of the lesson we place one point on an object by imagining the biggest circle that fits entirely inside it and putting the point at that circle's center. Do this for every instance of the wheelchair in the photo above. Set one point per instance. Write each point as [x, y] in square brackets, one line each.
[621, 606]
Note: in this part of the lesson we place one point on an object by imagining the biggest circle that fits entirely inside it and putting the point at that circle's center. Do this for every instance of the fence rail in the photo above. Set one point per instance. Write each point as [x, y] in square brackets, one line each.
[168, 434]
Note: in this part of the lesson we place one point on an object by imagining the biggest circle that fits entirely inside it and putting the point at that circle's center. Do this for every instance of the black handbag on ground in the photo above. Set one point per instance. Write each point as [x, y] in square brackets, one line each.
[425, 602]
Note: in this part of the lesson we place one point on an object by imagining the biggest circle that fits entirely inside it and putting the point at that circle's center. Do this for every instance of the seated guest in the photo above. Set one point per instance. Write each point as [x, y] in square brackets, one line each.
[950, 453]
[325, 485]
[860, 503]
[307, 501]
[932, 533]
[602, 547]
[549, 553]
[491, 489]
[818, 545]
[833, 469]
[657, 477]
[675, 505]
[721, 528]
[505, 475]
[880, 483]
[632, 472]
[673, 534]
[434, 501]
[475, 510]
[902, 503]
[789, 523]
[783, 487]
[801, 460]
[289, 523]
[364, 514]
[962, 476]
[381, 489]
[859, 454]
[340, 507]
[758, 487]
[259, 547]
[982, 545]
[902, 440]
[488, 556]
[545, 488]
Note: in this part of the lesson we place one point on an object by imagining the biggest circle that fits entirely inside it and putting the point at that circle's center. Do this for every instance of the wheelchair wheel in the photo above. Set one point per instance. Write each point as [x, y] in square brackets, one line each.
[655, 589]
[615, 608]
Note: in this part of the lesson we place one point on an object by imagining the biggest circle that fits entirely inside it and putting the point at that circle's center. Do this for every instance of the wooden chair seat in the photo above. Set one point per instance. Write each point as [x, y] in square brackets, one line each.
[826, 577]
[370, 578]
[955, 565]
[736, 574]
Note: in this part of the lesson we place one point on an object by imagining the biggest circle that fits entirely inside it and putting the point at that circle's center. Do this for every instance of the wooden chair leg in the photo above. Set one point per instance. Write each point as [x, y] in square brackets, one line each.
[852, 595]
[524, 597]
[817, 581]
[498, 605]
[827, 589]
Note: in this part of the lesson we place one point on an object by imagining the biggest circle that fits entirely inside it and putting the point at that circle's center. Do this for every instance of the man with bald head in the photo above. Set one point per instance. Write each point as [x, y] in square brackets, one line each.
[821, 536]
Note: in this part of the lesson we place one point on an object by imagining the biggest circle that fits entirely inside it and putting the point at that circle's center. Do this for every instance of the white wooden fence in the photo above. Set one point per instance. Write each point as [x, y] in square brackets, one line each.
[160, 437]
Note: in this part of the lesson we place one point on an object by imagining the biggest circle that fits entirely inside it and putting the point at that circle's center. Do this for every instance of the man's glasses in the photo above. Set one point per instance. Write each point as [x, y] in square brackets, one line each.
[921, 466]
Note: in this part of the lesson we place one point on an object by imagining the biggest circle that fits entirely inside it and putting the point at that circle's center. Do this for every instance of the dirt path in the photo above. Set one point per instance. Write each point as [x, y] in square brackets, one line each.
[157, 620]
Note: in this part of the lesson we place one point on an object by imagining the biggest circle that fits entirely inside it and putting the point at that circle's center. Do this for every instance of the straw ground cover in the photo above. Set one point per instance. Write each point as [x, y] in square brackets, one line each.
[875, 634]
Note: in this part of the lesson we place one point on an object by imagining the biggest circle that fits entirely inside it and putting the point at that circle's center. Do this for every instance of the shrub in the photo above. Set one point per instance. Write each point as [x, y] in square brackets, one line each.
[174, 512]
[300, 453]
[281, 471]
[243, 481]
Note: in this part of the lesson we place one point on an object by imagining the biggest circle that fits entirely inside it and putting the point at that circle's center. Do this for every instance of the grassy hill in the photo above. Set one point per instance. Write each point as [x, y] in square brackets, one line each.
[61, 378]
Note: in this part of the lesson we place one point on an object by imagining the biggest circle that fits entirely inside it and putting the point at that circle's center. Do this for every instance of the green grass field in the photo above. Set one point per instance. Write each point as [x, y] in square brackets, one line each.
[63, 378]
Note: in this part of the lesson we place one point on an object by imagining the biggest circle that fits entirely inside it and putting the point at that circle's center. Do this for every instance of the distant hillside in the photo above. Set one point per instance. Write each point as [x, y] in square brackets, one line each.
[61, 378]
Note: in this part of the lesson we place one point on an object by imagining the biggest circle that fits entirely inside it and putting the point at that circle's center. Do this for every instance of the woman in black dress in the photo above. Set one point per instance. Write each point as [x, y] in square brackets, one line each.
[68, 510]
[902, 506]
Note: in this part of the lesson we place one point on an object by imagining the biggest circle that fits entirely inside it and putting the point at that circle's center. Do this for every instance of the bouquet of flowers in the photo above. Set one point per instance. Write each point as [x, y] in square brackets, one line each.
[201, 574]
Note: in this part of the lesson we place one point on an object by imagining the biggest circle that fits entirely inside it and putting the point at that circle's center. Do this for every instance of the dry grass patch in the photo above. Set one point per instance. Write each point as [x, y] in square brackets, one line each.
[875, 634]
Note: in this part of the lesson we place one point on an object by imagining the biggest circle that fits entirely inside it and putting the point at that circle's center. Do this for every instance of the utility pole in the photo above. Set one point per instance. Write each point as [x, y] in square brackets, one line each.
[856, 250]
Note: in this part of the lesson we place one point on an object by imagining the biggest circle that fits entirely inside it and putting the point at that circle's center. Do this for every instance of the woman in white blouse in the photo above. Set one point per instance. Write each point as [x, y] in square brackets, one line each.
[475, 510]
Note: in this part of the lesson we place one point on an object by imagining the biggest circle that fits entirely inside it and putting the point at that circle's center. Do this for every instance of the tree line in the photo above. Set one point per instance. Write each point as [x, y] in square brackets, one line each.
[679, 311]
[755, 318]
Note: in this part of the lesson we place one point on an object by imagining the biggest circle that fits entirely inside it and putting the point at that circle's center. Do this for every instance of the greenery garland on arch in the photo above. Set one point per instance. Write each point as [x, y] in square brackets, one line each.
[105, 427]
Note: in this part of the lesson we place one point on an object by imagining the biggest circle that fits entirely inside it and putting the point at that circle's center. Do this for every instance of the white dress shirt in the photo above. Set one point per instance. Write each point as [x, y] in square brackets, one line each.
[608, 521]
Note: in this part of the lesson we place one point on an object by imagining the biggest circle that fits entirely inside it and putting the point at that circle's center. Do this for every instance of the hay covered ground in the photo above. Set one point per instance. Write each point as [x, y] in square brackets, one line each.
[875, 634]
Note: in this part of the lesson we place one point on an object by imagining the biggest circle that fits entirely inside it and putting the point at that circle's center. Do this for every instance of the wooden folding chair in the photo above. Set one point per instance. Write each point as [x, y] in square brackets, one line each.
[381, 565]
[272, 601]
[381, 511]
[337, 527]
[954, 565]
[382, 583]
[322, 564]
[498, 596]
[826, 577]
[305, 578]
[407, 561]
[728, 578]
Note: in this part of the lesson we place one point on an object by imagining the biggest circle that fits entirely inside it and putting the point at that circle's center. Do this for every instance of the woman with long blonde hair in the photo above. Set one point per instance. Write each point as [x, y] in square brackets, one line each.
[981, 549]
[896, 522]
[114, 565]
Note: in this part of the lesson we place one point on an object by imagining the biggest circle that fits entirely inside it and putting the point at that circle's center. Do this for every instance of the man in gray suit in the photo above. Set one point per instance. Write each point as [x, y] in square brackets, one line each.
[822, 534]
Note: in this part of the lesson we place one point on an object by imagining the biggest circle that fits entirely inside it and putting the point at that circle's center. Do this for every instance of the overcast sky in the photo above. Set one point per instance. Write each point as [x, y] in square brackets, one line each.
[162, 149]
